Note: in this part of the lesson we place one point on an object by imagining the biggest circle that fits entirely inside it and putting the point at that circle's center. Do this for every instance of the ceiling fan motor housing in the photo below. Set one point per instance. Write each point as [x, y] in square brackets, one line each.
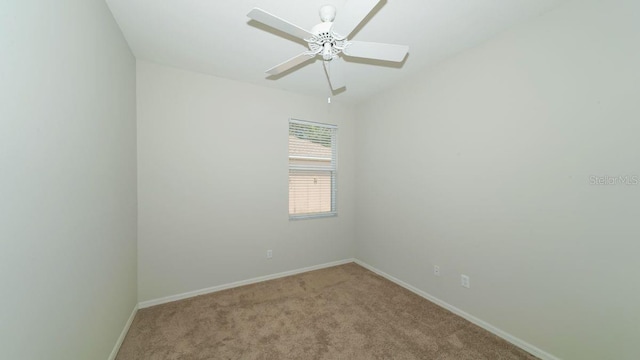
[325, 41]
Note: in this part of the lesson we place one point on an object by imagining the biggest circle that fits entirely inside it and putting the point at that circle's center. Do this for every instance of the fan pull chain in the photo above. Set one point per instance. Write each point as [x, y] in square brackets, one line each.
[329, 106]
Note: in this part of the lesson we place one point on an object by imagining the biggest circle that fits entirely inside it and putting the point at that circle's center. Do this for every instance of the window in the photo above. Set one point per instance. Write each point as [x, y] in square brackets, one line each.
[312, 169]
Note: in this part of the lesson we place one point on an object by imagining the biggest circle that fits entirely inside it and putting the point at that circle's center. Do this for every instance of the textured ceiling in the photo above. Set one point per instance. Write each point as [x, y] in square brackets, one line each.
[216, 37]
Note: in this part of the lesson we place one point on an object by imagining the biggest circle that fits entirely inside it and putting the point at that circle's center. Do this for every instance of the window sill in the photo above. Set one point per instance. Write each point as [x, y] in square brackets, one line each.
[313, 216]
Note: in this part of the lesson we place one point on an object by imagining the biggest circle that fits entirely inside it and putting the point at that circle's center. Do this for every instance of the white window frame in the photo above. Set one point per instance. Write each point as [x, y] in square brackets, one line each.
[333, 169]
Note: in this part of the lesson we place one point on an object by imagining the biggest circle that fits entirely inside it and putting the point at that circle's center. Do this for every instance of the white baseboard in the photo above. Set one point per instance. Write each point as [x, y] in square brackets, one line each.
[116, 348]
[483, 324]
[163, 300]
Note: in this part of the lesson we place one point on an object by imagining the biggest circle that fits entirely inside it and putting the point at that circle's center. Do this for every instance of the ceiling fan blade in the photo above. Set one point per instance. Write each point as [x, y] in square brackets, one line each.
[351, 16]
[278, 23]
[377, 51]
[335, 73]
[293, 62]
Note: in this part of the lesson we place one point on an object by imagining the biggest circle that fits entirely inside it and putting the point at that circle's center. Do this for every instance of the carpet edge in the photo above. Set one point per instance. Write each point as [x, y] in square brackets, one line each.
[212, 289]
[533, 350]
[123, 334]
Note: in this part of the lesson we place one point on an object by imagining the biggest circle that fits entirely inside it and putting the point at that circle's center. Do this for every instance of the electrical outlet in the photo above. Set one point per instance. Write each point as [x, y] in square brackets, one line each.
[269, 254]
[436, 270]
[464, 281]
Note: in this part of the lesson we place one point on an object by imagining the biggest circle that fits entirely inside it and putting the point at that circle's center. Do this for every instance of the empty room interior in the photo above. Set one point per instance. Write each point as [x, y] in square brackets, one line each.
[322, 179]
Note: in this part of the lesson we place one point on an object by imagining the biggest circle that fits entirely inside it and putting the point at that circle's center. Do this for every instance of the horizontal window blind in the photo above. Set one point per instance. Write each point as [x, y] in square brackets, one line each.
[312, 169]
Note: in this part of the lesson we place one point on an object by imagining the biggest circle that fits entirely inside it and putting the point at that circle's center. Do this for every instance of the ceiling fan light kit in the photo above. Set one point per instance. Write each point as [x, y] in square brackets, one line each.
[328, 39]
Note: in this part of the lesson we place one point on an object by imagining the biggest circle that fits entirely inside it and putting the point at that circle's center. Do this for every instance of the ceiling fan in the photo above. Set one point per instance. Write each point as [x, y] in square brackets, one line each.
[329, 39]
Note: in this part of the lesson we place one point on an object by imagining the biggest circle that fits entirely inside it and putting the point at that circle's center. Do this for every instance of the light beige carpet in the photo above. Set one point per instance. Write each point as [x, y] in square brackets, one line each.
[343, 312]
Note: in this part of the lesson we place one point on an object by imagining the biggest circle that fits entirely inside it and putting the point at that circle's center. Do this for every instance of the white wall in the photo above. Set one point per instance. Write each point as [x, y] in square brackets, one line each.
[67, 180]
[213, 182]
[482, 166]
